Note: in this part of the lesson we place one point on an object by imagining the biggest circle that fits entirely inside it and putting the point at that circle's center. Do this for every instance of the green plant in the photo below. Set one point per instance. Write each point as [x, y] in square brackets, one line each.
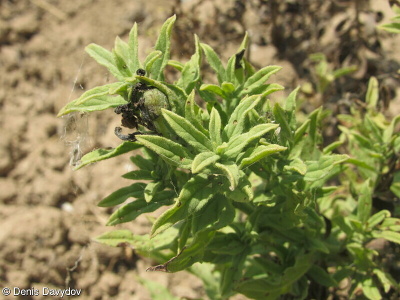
[251, 205]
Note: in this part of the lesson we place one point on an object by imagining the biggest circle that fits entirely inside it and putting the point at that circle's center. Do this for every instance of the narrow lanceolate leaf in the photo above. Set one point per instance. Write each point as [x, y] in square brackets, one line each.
[364, 205]
[149, 62]
[102, 154]
[121, 64]
[231, 171]
[138, 175]
[189, 255]
[120, 196]
[216, 214]
[260, 152]
[104, 58]
[187, 131]
[290, 108]
[214, 127]
[215, 89]
[151, 189]
[372, 93]
[193, 113]
[176, 64]
[238, 143]
[203, 160]
[377, 218]
[194, 191]
[388, 235]
[243, 192]
[191, 71]
[131, 211]
[133, 43]
[236, 122]
[259, 78]
[215, 62]
[122, 49]
[163, 44]
[296, 165]
[173, 153]
[95, 99]
[319, 169]
[282, 119]
[321, 276]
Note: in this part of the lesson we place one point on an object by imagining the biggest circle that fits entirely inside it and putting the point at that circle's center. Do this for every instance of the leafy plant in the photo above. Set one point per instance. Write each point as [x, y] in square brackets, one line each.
[249, 195]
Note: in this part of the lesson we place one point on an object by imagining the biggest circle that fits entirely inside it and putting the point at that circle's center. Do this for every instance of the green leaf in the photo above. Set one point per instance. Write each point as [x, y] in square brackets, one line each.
[236, 121]
[120, 196]
[171, 152]
[364, 205]
[232, 273]
[151, 189]
[94, 99]
[121, 64]
[216, 214]
[214, 128]
[102, 154]
[372, 93]
[138, 175]
[388, 235]
[191, 71]
[300, 132]
[377, 218]
[141, 243]
[321, 168]
[189, 255]
[243, 191]
[370, 290]
[215, 89]
[133, 44]
[391, 27]
[290, 108]
[259, 153]
[280, 116]
[104, 58]
[176, 64]
[238, 143]
[193, 192]
[258, 79]
[296, 165]
[361, 164]
[123, 51]
[386, 279]
[215, 62]
[202, 160]
[395, 186]
[388, 133]
[163, 44]
[142, 162]
[193, 113]
[231, 67]
[322, 277]
[187, 131]
[149, 62]
[132, 210]
[231, 171]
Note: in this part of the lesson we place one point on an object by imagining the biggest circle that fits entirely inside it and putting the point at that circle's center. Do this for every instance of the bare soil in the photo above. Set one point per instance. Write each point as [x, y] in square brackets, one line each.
[48, 212]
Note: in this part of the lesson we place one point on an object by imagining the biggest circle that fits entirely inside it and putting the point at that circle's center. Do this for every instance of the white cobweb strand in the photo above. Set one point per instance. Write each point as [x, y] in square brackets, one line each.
[75, 129]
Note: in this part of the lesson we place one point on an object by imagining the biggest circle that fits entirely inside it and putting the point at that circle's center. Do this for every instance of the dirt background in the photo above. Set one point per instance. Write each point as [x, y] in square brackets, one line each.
[48, 212]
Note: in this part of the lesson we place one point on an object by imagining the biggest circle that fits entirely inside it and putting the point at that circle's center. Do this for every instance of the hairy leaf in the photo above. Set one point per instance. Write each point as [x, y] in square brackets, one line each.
[173, 153]
[102, 154]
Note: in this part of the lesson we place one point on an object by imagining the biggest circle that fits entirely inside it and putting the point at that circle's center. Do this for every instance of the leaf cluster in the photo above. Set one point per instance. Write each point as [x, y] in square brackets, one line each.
[247, 190]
